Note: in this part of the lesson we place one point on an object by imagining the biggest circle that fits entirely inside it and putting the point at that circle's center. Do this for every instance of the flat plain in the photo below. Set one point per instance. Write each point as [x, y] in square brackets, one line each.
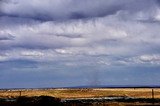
[83, 96]
[67, 93]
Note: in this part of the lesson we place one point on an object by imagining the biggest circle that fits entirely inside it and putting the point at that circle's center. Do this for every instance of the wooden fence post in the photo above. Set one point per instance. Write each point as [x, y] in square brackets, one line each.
[153, 96]
[20, 93]
[152, 93]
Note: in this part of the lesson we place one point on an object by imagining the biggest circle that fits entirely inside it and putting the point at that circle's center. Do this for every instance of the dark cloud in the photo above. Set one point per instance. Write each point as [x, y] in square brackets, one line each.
[54, 10]
[70, 35]
[158, 2]
[6, 37]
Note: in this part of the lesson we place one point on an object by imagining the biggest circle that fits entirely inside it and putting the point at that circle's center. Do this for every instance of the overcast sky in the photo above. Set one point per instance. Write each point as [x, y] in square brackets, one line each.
[65, 43]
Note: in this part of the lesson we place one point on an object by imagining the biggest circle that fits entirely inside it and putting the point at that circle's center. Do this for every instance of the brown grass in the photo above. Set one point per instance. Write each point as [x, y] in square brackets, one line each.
[83, 93]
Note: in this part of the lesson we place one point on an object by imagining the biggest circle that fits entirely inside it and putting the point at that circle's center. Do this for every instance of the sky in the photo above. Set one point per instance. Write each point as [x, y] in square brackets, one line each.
[69, 43]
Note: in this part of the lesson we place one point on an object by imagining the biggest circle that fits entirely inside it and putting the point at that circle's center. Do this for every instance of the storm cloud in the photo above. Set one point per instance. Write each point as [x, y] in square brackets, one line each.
[82, 37]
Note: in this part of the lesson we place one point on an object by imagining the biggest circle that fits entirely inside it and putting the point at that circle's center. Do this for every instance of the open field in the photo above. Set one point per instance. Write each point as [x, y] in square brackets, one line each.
[80, 97]
[83, 93]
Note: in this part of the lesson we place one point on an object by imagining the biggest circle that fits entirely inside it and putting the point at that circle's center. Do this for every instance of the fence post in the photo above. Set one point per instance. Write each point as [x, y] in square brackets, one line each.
[152, 93]
[153, 96]
[20, 93]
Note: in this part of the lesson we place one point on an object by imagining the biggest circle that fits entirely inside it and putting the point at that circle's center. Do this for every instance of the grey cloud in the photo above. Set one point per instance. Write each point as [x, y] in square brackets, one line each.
[70, 35]
[6, 36]
[108, 32]
[70, 9]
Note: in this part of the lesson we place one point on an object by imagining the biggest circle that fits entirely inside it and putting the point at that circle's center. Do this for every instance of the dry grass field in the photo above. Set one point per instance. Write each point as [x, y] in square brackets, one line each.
[83, 93]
